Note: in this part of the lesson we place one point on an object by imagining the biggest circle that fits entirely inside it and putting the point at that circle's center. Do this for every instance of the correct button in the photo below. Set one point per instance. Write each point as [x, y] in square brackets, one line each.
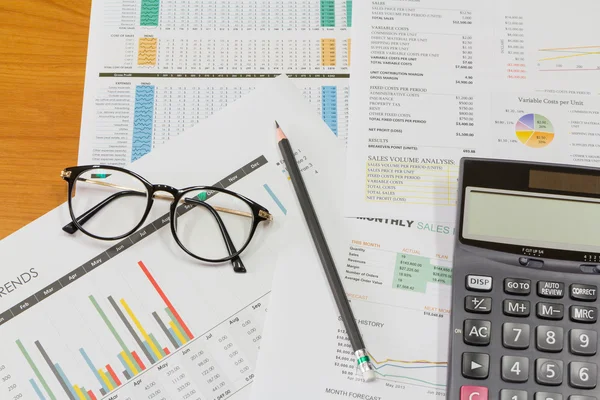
[473, 393]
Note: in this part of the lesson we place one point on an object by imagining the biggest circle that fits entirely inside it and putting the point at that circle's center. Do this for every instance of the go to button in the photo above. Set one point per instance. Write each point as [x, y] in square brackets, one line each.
[473, 393]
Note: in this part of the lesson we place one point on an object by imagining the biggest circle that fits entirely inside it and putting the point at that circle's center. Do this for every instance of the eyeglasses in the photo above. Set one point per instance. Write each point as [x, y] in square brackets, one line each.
[209, 223]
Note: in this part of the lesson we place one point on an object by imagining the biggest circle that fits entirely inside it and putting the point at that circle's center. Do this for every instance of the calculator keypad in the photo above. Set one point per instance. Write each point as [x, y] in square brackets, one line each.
[546, 369]
[549, 338]
[515, 336]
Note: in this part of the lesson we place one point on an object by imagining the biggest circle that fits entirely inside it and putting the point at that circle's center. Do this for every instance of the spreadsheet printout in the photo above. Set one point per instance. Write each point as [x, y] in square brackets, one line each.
[158, 67]
[434, 81]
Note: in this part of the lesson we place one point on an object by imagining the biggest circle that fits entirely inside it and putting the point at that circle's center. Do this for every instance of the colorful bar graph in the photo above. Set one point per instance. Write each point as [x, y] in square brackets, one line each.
[55, 371]
[167, 333]
[91, 394]
[178, 326]
[137, 360]
[106, 381]
[127, 375]
[103, 392]
[158, 346]
[79, 393]
[175, 336]
[112, 374]
[35, 369]
[166, 300]
[129, 364]
[177, 332]
[137, 339]
[167, 352]
[37, 389]
[66, 381]
[141, 329]
[89, 363]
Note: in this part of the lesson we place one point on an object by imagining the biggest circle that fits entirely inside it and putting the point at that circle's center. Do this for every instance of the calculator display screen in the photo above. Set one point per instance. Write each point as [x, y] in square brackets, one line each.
[532, 219]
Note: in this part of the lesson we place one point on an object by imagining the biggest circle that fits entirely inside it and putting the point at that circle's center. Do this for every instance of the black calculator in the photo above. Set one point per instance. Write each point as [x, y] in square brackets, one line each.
[525, 283]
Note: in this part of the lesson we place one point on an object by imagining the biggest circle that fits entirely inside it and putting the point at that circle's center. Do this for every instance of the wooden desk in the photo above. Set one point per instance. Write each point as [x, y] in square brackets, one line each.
[42, 67]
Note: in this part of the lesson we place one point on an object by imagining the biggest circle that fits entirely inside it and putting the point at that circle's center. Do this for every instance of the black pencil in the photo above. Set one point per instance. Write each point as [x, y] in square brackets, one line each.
[362, 357]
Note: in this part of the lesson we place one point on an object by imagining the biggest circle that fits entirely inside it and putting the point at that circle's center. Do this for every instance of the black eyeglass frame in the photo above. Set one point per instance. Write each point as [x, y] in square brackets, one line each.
[71, 175]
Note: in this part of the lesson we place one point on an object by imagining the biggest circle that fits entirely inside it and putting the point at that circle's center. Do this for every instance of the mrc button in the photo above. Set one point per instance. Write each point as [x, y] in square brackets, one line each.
[583, 314]
[553, 290]
[517, 286]
[583, 292]
[479, 283]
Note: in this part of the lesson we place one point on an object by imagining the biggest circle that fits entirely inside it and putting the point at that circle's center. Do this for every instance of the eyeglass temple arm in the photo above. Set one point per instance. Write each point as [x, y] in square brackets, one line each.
[71, 228]
[238, 265]
[266, 215]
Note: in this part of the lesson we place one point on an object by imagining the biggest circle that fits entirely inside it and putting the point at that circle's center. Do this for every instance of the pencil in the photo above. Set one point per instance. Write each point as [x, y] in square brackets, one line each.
[335, 284]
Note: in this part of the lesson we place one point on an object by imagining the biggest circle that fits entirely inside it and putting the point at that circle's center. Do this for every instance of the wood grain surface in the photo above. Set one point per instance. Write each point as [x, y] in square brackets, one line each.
[43, 45]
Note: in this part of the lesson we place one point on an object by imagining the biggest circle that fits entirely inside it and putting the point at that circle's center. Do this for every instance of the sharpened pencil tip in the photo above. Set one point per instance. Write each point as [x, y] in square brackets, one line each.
[280, 134]
[276, 124]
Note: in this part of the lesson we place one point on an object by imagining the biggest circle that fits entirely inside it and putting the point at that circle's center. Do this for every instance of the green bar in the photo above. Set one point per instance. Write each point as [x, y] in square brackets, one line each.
[111, 380]
[85, 393]
[349, 13]
[109, 324]
[413, 273]
[149, 12]
[35, 370]
[160, 349]
[187, 338]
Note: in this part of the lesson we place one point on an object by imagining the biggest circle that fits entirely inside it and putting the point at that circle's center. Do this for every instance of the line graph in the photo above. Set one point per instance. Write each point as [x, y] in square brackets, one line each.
[576, 58]
[392, 369]
[147, 50]
[143, 119]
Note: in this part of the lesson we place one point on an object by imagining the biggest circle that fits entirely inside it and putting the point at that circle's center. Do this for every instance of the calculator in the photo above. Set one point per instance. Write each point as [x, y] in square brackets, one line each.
[525, 282]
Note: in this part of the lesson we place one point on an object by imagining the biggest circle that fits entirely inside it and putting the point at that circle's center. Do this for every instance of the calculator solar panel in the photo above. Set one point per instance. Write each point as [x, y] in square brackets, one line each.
[525, 283]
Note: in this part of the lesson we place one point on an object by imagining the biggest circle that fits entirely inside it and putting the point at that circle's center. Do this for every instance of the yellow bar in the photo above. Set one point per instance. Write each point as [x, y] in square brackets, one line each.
[106, 380]
[79, 392]
[129, 363]
[177, 332]
[141, 329]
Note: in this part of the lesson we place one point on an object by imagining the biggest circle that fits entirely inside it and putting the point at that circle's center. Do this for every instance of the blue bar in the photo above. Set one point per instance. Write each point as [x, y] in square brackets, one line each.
[329, 107]
[37, 389]
[147, 346]
[125, 365]
[65, 380]
[275, 199]
[143, 121]
[175, 337]
[94, 370]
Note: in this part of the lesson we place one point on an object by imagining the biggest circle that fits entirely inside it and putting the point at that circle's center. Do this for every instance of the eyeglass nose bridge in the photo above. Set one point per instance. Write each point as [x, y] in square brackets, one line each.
[156, 189]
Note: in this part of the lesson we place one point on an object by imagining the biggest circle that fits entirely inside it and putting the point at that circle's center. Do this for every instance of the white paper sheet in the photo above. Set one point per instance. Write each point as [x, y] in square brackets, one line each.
[158, 67]
[434, 82]
[48, 276]
[398, 281]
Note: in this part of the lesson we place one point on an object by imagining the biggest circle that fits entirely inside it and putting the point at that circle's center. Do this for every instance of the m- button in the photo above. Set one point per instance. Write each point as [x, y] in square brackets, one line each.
[550, 311]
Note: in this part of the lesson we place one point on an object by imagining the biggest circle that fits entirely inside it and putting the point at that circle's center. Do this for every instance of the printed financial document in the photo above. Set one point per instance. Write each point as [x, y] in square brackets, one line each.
[398, 279]
[158, 67]
[433, 82]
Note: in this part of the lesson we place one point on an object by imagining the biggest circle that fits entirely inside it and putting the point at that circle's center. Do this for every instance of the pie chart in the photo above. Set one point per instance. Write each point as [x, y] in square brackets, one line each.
[535, 130]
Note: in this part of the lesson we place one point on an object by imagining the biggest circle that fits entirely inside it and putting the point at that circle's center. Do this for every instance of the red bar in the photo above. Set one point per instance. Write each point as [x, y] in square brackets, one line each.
[167, 352]
[91, 394]
[137, 359]
[165, 299]
[112, 373]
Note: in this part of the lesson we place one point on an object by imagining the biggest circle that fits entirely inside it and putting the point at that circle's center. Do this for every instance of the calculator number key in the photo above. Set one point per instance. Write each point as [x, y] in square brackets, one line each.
[516, 308]
[478, 304]
[583, 342]
[583, 375]
[548, 396]
[515, 369]
[548, 372]
[549, 338]
[515, 336]
[506, 394]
